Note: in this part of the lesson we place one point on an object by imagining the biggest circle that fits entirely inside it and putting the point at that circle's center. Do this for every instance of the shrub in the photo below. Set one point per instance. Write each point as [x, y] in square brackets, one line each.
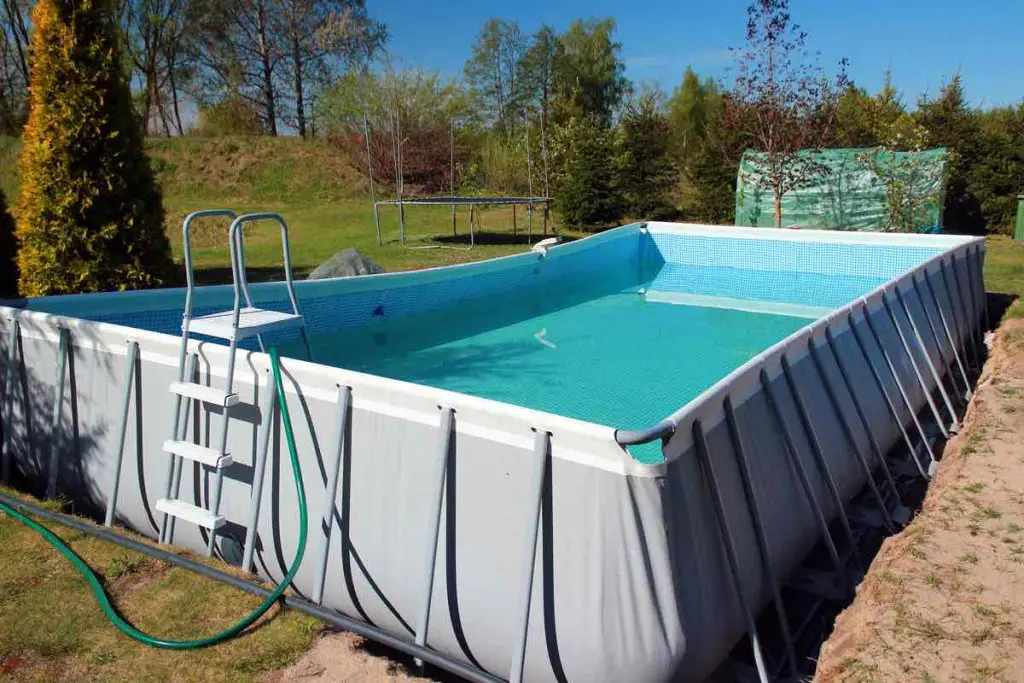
[8, 252]
[646, 171]
[90, 215]
[584, 180]
[233, 115]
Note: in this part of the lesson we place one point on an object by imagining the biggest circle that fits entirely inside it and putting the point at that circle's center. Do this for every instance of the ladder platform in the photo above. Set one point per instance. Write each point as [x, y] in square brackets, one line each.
[201, 392]
[197, 453]
[189, 513]
[251, 322]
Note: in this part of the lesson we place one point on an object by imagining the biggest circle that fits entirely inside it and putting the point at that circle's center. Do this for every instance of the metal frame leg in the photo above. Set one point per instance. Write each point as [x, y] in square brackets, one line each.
[850, 438]
[259, 472]
[913, 364]
[763, 546]
[541, 448]
[433, 523]
[9, 377]
[935, 334]
[131, 360]
[58, 401]
[845, 373]
[725, 536]
[955, 424]
[344, 399]
[967, 330]
[889, 403]
[805, 483]
[819, 457]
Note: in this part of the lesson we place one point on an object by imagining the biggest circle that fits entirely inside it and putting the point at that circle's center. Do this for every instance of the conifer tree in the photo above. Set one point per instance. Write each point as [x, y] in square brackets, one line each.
[91, 217]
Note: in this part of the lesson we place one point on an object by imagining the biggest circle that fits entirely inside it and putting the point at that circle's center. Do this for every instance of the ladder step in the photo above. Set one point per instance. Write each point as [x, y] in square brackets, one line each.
[189, 513]
[200, 392]
[201, 454]
[251, 321]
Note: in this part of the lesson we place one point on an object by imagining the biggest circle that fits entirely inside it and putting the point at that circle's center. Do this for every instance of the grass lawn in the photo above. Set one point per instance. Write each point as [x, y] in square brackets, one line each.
[1004, 271]
[53, 630]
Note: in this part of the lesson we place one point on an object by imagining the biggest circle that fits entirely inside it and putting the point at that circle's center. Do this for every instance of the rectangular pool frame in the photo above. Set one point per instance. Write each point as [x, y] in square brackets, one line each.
[556, 555]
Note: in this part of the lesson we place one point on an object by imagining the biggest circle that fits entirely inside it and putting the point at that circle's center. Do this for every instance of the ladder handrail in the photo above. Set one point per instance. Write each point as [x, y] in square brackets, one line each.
[186, 225]
[190, 283]
[237, 259]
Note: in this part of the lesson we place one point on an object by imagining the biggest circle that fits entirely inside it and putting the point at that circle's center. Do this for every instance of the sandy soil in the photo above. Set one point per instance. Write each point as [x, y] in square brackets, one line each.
[342, 657]
[944, 600]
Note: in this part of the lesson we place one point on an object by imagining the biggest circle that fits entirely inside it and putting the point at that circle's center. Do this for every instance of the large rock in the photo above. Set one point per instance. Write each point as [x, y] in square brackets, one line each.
[345, 263]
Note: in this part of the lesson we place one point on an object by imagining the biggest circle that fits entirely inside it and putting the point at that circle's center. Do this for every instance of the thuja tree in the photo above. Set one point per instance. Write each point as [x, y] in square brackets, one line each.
[90, 215]
[782, 102]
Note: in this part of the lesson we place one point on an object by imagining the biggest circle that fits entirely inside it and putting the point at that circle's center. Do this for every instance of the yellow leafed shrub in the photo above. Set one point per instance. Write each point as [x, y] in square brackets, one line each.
[90, 214]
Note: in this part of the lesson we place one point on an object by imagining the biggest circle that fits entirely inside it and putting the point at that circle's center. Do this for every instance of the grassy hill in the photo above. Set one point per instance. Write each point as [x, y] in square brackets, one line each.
[322, 197]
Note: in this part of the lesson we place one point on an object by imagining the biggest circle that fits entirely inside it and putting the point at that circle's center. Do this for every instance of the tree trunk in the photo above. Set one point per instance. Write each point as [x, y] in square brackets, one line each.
[268, 73]
[174, 97]
[300, 105]
[778, 208]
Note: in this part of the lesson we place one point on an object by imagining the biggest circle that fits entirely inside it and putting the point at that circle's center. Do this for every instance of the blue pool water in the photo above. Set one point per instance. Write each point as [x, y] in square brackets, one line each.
[602, 349]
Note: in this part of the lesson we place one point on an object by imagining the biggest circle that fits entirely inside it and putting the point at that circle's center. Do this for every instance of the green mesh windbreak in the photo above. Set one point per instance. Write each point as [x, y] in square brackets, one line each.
[852, 189]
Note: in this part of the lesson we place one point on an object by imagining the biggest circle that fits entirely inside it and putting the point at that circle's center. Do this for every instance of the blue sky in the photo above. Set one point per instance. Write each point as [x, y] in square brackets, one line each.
[923, 42]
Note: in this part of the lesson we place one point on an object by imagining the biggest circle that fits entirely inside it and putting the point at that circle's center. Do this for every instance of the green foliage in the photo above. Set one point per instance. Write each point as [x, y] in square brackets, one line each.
[8, 252]
[998, 175]
[950, 123]
[584, 180]
[646, 170]
[588, 73]
[90, 213]
[492, 74]
[232, 115]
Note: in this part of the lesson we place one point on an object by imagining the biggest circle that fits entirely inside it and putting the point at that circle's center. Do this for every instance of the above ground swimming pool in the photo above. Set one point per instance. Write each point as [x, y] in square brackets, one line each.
[577, 390]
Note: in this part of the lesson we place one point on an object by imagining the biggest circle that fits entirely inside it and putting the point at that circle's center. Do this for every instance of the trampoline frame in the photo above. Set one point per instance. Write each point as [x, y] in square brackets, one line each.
[456, 201]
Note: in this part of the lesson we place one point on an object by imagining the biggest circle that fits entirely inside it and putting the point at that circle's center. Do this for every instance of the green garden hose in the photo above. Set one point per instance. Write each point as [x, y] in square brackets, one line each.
[232, 631]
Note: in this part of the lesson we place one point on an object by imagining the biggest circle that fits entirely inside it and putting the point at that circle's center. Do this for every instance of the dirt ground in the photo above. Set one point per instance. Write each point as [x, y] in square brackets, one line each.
[342, 657]
[944, 600]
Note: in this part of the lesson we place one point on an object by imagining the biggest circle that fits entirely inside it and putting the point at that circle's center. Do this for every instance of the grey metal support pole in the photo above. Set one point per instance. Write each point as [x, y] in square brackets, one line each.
[541, 447]
[966, 330]
[850, 438]
[433, 523]
[344, 400]
[9, 374]
[955, 423]
[913, 364]
[938, 340]
[889, 402]
[259, 472]
[801, 472]
[949, 337]
[122, 430]
[58, 400]
[725, 536]
[763, 547]
[876, 449]
[899, 385]
[977, 285]
[819, 457]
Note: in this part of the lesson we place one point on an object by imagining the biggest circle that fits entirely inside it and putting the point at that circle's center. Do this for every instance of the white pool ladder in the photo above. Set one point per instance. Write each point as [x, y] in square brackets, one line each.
[238, 323]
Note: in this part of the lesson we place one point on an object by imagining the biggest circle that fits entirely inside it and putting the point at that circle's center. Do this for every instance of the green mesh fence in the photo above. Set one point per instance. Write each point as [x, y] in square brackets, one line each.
[851, 189]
